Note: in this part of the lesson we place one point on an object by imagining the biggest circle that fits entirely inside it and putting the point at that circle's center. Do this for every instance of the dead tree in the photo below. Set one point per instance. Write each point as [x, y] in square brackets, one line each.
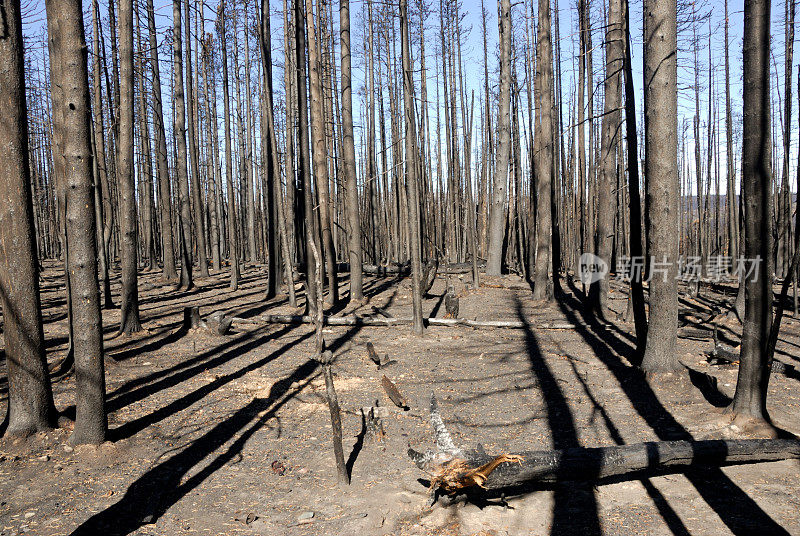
[749, 402]
[273, 195]
[179, 132]
[69, 71]
[542, 289]
[233, 241]
[457, 470]
[319, 154]
[101, 187]
[305, 157]
[412, 165]
[606, 199]
[732, 205]
[497, 210]
[30, 398]
[351, 181]
[162, 171]
[194, 160]
[661, 169]
[129, 249]
[637, 303]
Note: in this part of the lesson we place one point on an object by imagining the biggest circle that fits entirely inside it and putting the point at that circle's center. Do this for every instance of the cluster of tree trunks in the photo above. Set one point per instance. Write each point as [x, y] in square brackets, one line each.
[99, 177]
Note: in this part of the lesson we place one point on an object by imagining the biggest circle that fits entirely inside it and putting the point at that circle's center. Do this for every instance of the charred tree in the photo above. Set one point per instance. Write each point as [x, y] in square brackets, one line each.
[661, 170]
[179, 132]
[162, 171]
[30, 397]
[355, 254]
[129, 235]
[69, 70]
[497, 210]
[749, 402]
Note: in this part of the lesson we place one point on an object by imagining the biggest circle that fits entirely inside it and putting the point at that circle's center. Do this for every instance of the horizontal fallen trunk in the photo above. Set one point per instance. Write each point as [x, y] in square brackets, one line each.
[453, 469]
[352, 320]
[603, 462]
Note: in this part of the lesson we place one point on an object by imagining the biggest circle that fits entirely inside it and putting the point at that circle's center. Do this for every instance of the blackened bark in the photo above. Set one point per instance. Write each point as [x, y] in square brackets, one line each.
[661, 167]
[30, 398]
[68, 54]
[351, 185]
[179, 131]
[412, 166]
[162, 171]
[606, 199]
[497, 210]
[544, 163]
[751, 387]
[129, 250]
[194, 160]
[233, 248]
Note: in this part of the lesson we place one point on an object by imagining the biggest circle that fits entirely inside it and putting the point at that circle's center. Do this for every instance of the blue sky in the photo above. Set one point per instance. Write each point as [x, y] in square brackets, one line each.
[710, 32]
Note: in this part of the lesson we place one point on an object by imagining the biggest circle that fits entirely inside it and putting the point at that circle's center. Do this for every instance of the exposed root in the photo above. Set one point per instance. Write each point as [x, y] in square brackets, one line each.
[457, 474]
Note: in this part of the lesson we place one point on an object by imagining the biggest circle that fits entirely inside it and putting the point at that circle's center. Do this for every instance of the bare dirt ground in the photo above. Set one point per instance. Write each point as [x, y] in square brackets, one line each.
[196, 422]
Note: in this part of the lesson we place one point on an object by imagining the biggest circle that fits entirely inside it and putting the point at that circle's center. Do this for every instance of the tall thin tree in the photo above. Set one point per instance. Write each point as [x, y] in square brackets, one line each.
[129, 249]
[349, 152]
[544, 163]
[661, 169]
[30, 398]
[749, 401]
[69, 70]
[497, 210]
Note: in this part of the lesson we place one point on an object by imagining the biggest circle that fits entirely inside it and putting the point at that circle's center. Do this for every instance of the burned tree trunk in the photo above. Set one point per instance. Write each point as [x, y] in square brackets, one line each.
[661, 169]
[30, 398]
[608, 142]
[750, 399]
[233, 247]
[162, 171]
[179, 131]
[497, 211]
[70, 71]
[351, 182]
[412, 186]
[194, 161]
[129, 250]
[544, 163]
[454, 469]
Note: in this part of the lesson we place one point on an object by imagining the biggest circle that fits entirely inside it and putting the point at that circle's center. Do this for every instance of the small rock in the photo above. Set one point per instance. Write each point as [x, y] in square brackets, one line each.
[68, 448]
[148, 519]
[29, 515]
[305, 516]
[44, 458]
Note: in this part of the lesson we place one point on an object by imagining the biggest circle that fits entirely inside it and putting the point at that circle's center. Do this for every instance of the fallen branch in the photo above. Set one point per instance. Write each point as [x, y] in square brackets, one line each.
[352, 320]
[460, 468]
[394, 393]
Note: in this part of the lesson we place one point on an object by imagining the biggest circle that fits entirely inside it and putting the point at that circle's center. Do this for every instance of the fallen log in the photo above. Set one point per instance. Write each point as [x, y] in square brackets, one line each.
[352, 320]
[459, 468]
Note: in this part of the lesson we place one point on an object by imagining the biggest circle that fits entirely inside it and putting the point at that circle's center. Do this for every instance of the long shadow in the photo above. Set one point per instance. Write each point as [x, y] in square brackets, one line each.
[740, 513]
[667, 513]
[132, 427]
[575, 506]
[140, 388]
[152, 494]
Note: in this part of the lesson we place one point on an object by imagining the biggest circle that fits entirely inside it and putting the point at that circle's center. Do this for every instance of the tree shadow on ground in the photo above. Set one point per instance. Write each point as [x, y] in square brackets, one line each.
[132, 427]
[575, 506]
[153, 493]
[740, 513]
